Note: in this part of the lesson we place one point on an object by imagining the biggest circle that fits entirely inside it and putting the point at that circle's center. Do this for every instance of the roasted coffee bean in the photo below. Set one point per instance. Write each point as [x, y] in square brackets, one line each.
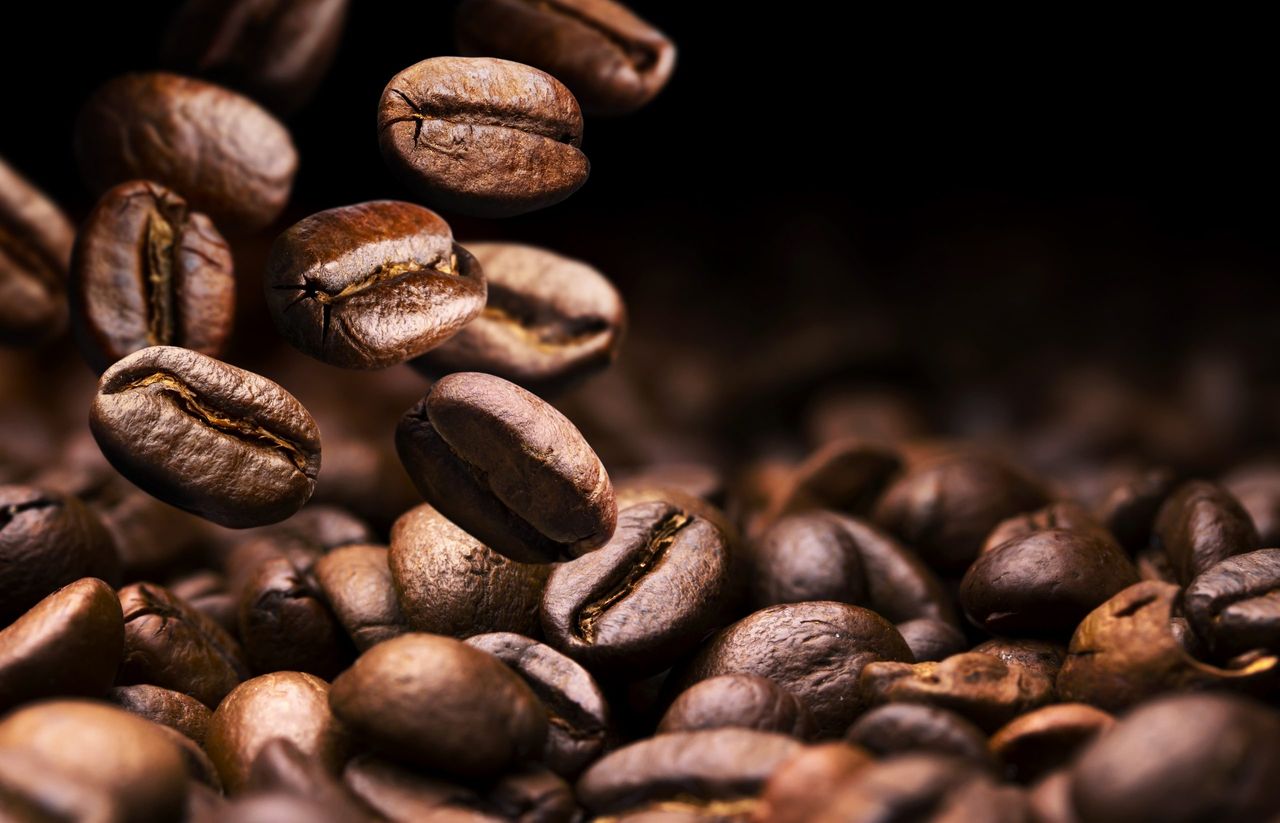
[176, 710]
[549, 321]
[801, 784]
[1039, 742]
[1234, 606]
[613, 61]
[1257, 488]
[1055, 516]
[1049, 800]
[931, 639]
[206, 437]
[365, 478]
[147, 271]
[716, 764]
[924, 787]
[35, 250]
[168, 643]
[1129, 510]
[67, 645]
[286, 625]
[371, 285]
[1044, 582]
[289, 705]
[508, 468]
[481, 136]
[207, 592]
[744, 701]
[1199, 525]
[356, 583]
[47, 541]
[276, 52]
[280, 766]
[32, 791]
[447, 582]
[576, 709]
[946, 506]
[437, 703]
[898, 728]
[698, 480]
[1183, 758]
[844, 476]
[287, 808]
[133, 761]
[325, 527]
[646, 598]
[1042, 657]
[200, 768]
[815, 650]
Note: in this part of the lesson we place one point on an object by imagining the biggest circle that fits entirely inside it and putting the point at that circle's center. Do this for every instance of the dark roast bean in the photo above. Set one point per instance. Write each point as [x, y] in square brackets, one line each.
[698, 480]
[199, 767]
[1181, 759]
[808, 556]
[1234, 606]
[1199, 525]
[1039, 742]
[844, 476]
[1044, 582]
[450, 583]
[33, 791]
[276, 52]
[898, 728]
[801, 784]
[228, 157]
[206, 437]
[147, 271]
[744, 701]
[482, 136]
[917, 787]
[931, 639]
[716, 764]
[68, 644]
[280, 766]
[47, 541]
[1042, 657]
[645, 599]
[356, 582]
[437, 703]
[286, 625]
[576, 709]
[371, 285]
[1061, 515]
[813, 650]
[508, 468]
[1258, 490]
[611, 59]
[1049, 800]
[207, 592]
[166, 707]
[168, 643]
[1130, 509]
[289, 705]
[132, 760]
[549, 321]
[244, 560]
[35, 250]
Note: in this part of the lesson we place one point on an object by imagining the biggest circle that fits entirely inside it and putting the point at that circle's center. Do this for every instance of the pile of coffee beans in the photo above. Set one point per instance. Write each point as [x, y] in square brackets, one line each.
[315, 585]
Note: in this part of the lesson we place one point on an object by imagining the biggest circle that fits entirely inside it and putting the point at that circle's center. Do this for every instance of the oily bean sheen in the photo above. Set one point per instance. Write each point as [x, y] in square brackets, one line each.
[68, 644]
[647, 597]
[35, 248]
[226, 155]
[482, 136]
[147, 271]
[371, 285]
[1234, 606]
[437, 703]
[276, 51]
[508, 468]
[745, 701]
[1199, 525]
[611, 59]
[176, 710]
[549, 321]
[356, 582]
[207, 437]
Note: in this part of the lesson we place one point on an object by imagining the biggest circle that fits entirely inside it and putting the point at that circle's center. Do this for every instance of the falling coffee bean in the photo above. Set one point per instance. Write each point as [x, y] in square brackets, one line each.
[35, 250]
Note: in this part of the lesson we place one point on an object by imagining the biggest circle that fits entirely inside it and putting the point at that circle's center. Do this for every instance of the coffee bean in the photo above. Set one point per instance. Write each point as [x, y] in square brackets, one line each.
[1199, 525]
[176, 710]
[32, 791]
[1257, 488]
[228, 157]
[286, 625]
[1049, 800]
[1062, 515]
[1129, 510]
[47, 541]
[168, 643]
[508, 468]
[612, 60]
[287, 808]
[845, 476]
[923, 787]
[356, 583]
[199, 767]
[371, 285]
[35, 250]
[801, 784]
[898, 728]
[437, 703]
[324, 528]
[744, 701]
[1044, 658]
[931, 639]
[289, 705]
[69, 644]
[649, 596]
[813, 650]
[207, 592]
[447, 582]
[576, 709]
[698, 480]
[481, 136]
[716, 764]
[807, 556]
[1234, 606]
[1039, 742]
[276, 52]
[206, 437]
[281, 767]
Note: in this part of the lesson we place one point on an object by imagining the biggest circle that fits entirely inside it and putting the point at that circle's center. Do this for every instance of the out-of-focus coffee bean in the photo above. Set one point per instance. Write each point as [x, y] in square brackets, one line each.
[1042, 741]
[919, 785]
[176, 710]
[698, 480]
[1234, 606]
[1129, 510]
[35, 251]
[207, 592]
[801, 784]
[1257, 487]
[1200, 524]
[1062, 515]
[844, 476]
[33, 791]
[898, 728]
[280, 766]
[931, 639]
[744, 701]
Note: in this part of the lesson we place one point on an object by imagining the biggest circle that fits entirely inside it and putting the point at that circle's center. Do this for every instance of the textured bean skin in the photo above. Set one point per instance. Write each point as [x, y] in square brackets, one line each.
[895, 728]
[1234, 606]
[228, 157]
[286, 625]
[35, 250]
[1200, 524]
[508, 468]
[178, 711]
[741, 701]
[482, 136]
[207, 437]
[371, 285]
[147, 271]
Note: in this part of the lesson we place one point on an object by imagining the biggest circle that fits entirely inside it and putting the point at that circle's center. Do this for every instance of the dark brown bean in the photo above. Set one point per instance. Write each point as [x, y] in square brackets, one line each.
[802, 783]
[744, 701]
[286, 625]
[1199, 525]
[1129, 510]
[1234, 606]
[1257, 487]
[176, 710]
[35, 250]
[1039, 742]
[898, 728]
[1062, 515]
[932, 639]
[356, 583]
[282, 767]
[844, 476]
